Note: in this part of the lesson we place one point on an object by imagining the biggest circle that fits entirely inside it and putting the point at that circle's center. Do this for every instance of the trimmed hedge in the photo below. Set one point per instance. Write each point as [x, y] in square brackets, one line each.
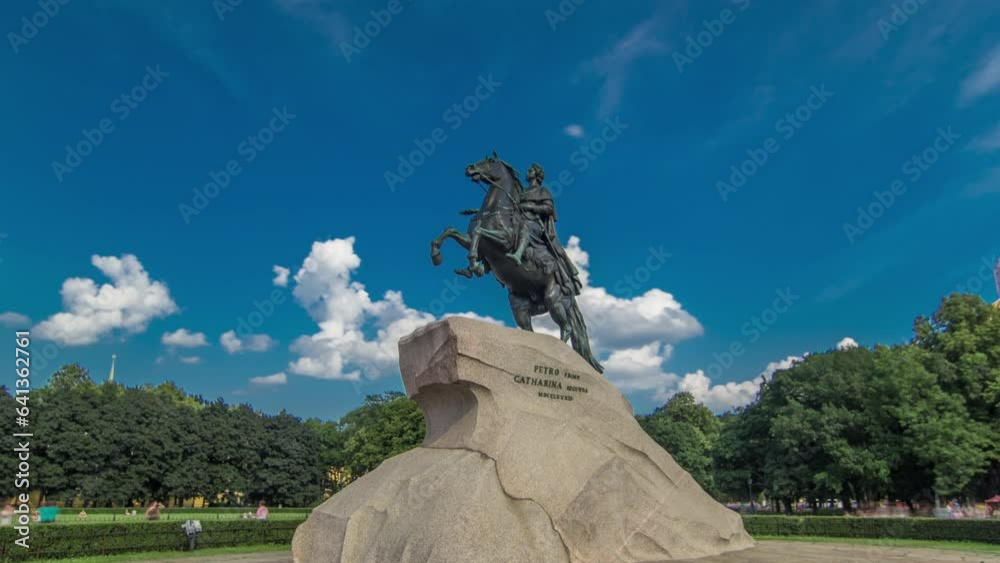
[982, 531]
[50, 541]
[71, 519]
[185, 509]
[55, 541]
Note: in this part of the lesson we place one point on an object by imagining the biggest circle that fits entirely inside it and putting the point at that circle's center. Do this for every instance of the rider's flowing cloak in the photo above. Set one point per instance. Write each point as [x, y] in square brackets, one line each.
[566, 273]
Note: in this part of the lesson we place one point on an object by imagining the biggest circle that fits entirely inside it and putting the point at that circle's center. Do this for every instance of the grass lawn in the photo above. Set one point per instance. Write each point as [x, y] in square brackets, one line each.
[180, 517]
[926, 544]
[180, 555]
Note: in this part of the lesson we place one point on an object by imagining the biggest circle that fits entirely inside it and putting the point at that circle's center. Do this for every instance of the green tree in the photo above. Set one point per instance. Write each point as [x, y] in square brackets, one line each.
[813, 432]
[963, 335]
[385, 426]
[332, 452]
[71, 436]
[936, 441]
[9, 461]
[689, 432]
[289, 472]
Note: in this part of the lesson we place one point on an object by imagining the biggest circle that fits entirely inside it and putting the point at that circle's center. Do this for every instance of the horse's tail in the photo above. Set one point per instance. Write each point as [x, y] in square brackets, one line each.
[581, 340]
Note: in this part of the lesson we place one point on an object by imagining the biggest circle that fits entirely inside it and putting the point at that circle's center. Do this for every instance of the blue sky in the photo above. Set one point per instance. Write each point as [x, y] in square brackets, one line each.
[681, 253]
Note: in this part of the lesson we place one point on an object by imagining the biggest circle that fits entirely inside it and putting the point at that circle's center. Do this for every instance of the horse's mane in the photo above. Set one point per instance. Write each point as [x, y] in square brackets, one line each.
[513, 172]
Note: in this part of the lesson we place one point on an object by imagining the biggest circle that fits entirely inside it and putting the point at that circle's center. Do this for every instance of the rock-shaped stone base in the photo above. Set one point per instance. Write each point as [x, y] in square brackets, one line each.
[530, 456]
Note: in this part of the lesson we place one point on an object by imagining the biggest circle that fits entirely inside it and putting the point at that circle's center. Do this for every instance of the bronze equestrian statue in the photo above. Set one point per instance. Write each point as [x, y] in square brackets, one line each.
[513, 235]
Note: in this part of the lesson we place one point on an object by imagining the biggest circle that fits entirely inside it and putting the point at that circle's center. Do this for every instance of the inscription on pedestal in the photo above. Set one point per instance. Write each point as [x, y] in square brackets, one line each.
[552, 378]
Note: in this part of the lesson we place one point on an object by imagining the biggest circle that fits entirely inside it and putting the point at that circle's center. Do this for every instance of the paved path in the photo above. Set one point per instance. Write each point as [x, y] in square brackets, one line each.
[796, 552]
[765, 552]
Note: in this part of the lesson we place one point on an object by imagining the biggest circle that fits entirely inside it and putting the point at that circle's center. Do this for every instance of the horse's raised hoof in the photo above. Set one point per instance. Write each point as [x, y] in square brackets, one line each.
[464, 273]
[479, 270]
[436, 256]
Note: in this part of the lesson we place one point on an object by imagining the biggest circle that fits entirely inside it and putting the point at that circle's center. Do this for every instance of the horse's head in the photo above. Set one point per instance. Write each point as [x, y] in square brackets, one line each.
[494, 171]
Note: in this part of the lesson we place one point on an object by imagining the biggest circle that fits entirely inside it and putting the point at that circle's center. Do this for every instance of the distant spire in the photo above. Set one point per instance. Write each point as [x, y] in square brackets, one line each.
[111, 376]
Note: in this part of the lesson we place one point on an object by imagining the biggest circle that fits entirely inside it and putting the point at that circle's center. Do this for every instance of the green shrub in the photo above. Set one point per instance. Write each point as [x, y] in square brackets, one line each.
[55, 541]
[185, 509]
[983, 531]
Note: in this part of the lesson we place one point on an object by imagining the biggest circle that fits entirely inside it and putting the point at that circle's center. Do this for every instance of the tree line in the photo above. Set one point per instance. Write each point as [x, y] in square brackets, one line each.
[105, 444]
[912, 422]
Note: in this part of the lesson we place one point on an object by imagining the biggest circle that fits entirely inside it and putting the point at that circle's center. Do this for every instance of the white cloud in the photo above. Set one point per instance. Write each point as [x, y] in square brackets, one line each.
[190, 359]
[721, 397]
[358, 336]
[988, 184]
[847, 343]
[985, 80]
[279, 378]
[335, 24]
[987, 143]
[617, 323]
[14, 320]
[230, 342]
[727, 396]
[641, 369]
[614, 65]
[258, 343]
[128, 303]
[253, 343]
[788, 362]
[183, 338]
[281, 276]
[724, 397]
[574, 130]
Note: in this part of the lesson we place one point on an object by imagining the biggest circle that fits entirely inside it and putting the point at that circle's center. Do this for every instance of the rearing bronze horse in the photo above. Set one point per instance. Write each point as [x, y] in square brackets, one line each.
[536, 285]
